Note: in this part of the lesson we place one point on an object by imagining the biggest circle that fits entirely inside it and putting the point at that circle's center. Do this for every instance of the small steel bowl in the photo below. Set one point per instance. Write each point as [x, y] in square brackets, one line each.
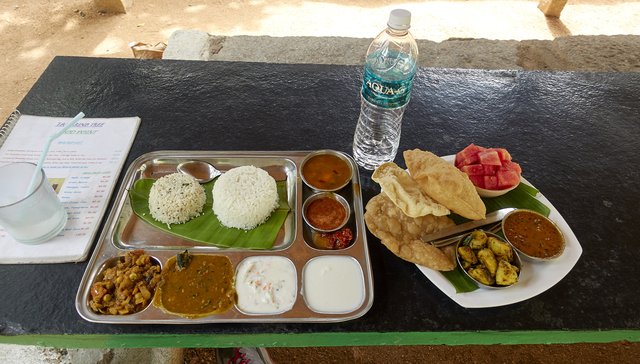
[99, 277]
[331, 195]
[543, 218]
[335, 153]
[516, 261]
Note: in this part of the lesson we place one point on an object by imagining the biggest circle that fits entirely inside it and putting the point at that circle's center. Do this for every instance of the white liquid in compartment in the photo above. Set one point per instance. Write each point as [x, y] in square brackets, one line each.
[333, 284]
[266, 285]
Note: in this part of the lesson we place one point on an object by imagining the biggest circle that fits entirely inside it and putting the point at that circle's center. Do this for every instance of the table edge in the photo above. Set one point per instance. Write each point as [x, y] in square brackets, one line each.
[324, 339]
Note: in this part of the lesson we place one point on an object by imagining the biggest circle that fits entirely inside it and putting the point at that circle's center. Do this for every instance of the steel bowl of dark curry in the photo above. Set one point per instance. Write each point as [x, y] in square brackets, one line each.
[533, 235]
[196, 285]
[326, 170]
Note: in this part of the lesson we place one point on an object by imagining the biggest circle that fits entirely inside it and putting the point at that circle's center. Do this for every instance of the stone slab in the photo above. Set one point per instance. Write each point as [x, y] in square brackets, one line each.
[192, 45]
[576, 53]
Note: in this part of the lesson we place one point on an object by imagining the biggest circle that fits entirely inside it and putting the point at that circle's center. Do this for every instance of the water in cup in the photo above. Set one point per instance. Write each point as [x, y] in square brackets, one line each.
[29, 218]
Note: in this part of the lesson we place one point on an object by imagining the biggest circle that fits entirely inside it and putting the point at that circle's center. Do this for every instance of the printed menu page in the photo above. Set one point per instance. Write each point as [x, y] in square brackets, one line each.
[82, 165]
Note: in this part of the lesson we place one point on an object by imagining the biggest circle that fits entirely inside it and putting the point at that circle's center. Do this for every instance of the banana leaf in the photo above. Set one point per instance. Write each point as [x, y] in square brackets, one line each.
[206, 228]
[522, 197]
[460, 281]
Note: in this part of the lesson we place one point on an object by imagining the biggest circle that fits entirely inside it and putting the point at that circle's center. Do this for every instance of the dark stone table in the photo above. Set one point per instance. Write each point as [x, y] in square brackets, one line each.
[577, 136]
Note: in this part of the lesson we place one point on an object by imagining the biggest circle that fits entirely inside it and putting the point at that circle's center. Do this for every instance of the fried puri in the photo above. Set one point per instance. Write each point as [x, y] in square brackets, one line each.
[405, 193]
[444, 183]
[401, 233]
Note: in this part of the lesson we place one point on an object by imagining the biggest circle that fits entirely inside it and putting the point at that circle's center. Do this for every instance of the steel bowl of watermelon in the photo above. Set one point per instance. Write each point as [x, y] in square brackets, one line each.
[491, 170]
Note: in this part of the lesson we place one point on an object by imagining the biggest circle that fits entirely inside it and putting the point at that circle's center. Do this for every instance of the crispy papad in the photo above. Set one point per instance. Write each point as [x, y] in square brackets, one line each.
[401, 234]
[444, 183]
[405, 193]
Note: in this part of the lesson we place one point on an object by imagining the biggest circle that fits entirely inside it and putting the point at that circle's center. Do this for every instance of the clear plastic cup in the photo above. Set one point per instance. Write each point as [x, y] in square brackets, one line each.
[33, 218]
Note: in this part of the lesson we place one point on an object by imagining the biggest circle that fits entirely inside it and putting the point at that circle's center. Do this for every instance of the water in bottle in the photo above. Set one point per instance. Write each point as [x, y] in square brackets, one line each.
[386, 88]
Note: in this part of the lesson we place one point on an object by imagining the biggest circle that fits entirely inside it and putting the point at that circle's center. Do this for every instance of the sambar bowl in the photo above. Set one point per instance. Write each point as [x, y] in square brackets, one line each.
[326, 170]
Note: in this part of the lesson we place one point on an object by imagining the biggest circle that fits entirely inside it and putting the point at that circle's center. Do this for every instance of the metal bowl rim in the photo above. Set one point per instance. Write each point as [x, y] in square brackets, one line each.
[336, 197]
[336, 153]
[564, 240]
[515, 254]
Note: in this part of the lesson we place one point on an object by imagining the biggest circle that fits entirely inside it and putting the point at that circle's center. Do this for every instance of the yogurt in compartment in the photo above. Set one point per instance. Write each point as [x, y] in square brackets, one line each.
[266, 285]
[333, 284]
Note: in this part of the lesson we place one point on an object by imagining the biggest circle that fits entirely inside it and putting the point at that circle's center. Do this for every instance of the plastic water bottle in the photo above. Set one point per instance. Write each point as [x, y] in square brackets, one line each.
[386, 88]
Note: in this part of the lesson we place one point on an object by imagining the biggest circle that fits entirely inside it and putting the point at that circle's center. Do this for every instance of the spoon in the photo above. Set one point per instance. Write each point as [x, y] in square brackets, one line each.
[452, 234]
[203, 172]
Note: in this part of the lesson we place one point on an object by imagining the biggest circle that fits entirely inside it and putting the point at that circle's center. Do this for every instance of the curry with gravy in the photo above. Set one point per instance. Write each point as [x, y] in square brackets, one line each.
[326, 172]
[533, 234]
[198, 286]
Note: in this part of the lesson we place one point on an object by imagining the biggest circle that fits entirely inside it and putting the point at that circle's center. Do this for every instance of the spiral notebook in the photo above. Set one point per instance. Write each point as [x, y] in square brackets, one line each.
[5, 129]
[82, 165]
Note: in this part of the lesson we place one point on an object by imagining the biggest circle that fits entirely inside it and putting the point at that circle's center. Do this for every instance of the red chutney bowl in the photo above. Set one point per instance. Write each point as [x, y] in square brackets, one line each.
[326, 211]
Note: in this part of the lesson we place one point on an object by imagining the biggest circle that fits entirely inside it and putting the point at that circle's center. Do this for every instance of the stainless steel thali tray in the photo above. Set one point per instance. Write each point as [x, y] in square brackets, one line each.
[124, 231]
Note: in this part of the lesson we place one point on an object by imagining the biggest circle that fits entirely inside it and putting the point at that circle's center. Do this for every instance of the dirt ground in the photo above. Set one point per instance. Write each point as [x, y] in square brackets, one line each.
[621, 352]
[33, 32]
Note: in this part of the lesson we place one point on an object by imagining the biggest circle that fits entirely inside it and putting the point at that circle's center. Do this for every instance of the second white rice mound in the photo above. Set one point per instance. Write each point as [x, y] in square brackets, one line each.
[176, 198]
[244, 197]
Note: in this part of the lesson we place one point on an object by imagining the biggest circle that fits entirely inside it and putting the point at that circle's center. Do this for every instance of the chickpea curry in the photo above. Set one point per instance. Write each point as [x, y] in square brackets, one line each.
[127, 287]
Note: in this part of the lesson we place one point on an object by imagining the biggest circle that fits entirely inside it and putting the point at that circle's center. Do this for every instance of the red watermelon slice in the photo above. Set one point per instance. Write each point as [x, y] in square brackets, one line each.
[489, 168]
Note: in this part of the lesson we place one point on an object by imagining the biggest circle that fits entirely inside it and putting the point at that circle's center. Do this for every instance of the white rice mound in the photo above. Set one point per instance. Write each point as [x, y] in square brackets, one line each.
[244, 197]
[176, 198]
